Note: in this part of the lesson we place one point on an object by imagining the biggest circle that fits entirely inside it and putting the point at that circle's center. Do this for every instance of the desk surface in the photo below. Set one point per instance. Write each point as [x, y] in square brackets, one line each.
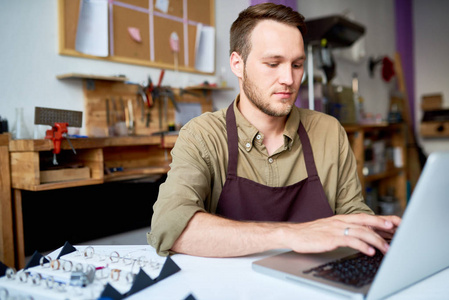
[233, 278]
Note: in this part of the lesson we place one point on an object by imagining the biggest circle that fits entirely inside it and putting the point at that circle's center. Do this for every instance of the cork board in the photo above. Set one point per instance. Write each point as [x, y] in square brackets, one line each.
[155, 25]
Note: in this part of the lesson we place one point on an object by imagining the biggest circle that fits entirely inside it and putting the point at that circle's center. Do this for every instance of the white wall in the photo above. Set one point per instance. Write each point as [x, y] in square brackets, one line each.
[30, 61]
[378, 19]
[431, 26]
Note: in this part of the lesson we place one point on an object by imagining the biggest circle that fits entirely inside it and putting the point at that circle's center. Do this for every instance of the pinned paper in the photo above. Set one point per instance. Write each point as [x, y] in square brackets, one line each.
[162, 5]
[174, 45]
[135, 34]
[92, 30]
[174, 42]
[205, 49]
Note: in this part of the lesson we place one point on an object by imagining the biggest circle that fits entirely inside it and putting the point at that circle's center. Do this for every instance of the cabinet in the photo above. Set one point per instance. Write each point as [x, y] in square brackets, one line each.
[105, 159]
[380, 151]
[6, 221]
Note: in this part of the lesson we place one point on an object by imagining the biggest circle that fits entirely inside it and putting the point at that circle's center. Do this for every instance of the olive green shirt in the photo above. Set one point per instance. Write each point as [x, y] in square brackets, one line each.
[200, 159]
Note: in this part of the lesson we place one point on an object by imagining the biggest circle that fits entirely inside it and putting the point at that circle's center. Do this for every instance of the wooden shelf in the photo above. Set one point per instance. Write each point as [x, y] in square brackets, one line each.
[90, 76]
[208, 88]
[83, 143]
[63, 184]
[394, 177]
[135, 173]
[383, 175]
[138, 156]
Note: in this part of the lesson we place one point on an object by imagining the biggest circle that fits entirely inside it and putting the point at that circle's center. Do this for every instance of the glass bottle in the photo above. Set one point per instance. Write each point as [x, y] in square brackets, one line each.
[19, 130]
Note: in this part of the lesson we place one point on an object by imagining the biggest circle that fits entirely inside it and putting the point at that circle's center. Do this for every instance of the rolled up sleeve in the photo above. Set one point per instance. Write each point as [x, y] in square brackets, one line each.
[182, 194]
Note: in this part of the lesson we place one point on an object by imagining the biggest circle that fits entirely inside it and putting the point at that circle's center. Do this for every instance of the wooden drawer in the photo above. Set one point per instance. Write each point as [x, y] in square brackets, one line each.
[27, 167]
[434, 129]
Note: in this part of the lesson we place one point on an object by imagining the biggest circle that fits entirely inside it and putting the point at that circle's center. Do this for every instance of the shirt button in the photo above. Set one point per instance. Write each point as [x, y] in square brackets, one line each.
[248, 145]
[270, 160]
[258, 137]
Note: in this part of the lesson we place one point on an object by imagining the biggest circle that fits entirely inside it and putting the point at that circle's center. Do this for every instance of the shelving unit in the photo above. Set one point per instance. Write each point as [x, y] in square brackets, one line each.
[134, 156]
[101, 158]
[391, 175]
[107, 159]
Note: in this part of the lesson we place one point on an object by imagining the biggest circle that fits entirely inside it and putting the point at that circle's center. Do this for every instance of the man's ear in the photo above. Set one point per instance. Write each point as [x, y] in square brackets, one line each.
[237, 64]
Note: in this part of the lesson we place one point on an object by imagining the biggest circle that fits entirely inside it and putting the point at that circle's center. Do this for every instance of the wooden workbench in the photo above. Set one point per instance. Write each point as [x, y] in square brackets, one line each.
[106, 159]
[6, 222]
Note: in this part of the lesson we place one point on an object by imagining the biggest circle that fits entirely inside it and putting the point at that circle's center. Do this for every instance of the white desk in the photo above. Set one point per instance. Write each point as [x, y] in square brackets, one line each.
[233, 278]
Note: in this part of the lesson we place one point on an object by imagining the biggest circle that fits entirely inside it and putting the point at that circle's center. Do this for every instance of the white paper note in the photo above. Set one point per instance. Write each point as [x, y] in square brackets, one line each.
[205, 49]
[92, 30]
[162, 5]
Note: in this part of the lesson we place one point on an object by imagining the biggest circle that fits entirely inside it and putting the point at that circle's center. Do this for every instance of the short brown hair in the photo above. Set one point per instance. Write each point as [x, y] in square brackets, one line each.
[243, 26]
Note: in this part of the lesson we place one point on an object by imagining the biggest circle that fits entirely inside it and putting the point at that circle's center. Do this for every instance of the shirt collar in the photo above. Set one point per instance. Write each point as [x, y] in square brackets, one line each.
[247, 132]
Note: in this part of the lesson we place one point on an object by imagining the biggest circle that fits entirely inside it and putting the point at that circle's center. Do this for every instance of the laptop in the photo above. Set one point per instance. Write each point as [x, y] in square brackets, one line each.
[417, 251]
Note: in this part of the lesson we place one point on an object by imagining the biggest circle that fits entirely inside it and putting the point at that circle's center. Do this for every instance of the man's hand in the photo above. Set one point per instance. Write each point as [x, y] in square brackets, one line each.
[361, 232]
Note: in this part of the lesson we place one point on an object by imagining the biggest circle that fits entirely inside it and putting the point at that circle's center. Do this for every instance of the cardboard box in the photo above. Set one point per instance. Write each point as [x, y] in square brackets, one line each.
[432, 102]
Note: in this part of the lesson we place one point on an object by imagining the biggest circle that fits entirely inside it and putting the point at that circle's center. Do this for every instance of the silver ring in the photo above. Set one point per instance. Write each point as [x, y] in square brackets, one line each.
[127, 260]
[141, 261]
[67, 266]
[36, 279]
[114, 257]
[45, 261]
[23, 276]
[346, 232]
[130, 277]
[50, 282]
[89, 252]
[11, 273]
[79, 267]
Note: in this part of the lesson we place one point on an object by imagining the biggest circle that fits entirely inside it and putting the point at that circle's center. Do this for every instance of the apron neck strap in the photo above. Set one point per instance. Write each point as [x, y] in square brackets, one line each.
[233, 141]
[231, 128]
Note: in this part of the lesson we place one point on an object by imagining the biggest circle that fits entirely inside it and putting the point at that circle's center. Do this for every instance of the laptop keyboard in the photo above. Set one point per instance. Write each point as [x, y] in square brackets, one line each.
[355, 270]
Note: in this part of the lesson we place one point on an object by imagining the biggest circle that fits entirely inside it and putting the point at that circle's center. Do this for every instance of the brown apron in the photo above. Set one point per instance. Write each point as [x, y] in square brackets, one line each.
[244, 199]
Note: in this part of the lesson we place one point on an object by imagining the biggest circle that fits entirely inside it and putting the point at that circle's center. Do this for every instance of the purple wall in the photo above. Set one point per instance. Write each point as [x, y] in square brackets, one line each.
[404, 46]
[290, 3]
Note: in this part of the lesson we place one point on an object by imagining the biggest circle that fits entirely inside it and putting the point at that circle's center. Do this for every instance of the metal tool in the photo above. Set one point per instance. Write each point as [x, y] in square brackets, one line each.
[59, 119]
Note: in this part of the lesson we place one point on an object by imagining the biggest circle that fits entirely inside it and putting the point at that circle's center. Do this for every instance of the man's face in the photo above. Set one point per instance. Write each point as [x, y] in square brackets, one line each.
[274, 67]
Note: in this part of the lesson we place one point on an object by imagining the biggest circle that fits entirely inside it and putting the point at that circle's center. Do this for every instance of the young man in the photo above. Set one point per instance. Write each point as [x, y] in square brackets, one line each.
[264, 174]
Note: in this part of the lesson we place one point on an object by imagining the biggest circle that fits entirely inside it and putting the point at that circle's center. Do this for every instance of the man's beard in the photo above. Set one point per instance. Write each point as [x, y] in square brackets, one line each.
[255, 96]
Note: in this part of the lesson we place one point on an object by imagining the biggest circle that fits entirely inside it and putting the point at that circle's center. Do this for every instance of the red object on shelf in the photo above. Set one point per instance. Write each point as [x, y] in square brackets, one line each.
[56, 135]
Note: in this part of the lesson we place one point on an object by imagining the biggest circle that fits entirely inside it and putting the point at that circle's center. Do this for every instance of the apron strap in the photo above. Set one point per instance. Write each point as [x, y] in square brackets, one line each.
[233, 146]
[308, 153]
[231, 128]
